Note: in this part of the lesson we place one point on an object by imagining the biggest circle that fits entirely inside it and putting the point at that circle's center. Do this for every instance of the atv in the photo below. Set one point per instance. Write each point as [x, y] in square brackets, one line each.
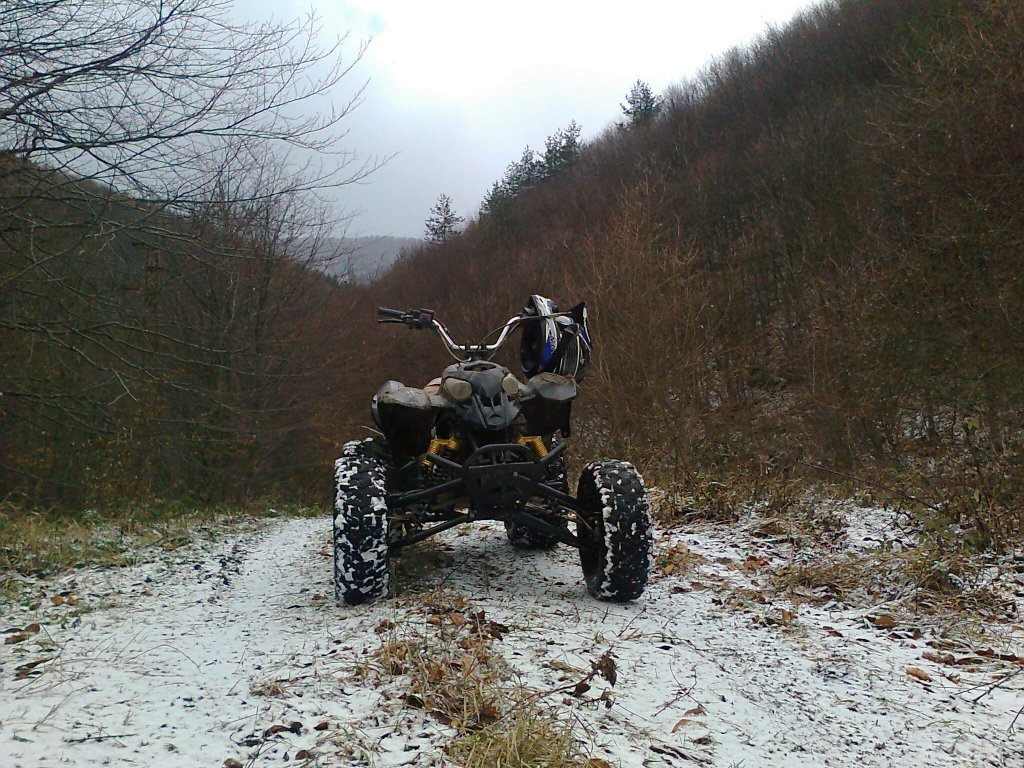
[479, 444]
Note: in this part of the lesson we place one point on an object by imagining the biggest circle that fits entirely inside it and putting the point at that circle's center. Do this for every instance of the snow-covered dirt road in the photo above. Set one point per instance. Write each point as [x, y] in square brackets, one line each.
[233, 650]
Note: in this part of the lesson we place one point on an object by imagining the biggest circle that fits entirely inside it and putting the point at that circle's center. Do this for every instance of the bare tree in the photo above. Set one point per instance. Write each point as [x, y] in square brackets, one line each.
[159, 217]
[126, 90]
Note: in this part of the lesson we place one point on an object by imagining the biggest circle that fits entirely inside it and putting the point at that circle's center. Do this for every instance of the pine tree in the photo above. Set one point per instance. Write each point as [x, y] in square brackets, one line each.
[641, 103]
[443, 222]
[561, 149]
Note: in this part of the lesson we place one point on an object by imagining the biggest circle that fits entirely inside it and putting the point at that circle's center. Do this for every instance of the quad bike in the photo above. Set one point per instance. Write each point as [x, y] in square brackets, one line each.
[479, 444]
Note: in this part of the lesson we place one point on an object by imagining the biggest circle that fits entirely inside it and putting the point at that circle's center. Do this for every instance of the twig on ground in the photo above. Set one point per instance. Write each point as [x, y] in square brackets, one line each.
[102, 737]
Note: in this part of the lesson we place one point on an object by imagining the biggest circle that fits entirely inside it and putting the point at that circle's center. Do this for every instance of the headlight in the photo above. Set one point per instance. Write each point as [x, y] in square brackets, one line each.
[511, 385]
[457, 389]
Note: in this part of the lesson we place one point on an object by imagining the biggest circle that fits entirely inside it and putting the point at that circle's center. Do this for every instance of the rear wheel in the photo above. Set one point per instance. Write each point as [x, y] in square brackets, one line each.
[361, 557]
[614, 531]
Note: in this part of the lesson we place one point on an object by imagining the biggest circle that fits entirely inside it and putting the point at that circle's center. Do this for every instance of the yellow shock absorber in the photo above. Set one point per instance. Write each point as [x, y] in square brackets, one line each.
[436, 445]
[536, 443]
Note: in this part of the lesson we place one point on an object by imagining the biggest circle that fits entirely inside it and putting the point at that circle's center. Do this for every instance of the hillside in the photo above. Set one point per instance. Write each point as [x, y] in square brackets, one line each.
[806, 266]
[366, 258]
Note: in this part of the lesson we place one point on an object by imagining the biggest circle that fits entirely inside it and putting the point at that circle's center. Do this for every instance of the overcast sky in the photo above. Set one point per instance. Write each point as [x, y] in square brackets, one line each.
[457, 88]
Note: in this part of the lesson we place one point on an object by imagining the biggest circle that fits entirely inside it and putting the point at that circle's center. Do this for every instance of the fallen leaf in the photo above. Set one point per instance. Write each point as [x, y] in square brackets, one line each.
[440, 716]
[698, 710]
[884, 621]
[939, 658]
[833, 631]
[697, 586]
[495, 631]
[683, 723]
[966, 661]
[384, 626]
[303, 754]
[29, 669]
[561, 666]
[991, 654]
[606, 667]
[919, 674]
[322, 726]
[488, 714]
[232, 763]
[435, 673]
[754, 563]
[581, 688]
[458, 619]
[596, 762]
[22, 634]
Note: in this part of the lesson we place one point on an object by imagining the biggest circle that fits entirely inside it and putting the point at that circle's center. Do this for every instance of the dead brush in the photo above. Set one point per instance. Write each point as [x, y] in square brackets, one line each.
[921, 580]
[527, 738]
[723, 497]
[848, 579]
[450, 669]
[278, 688]
[677, 560]
[804, 523]
[42, 542]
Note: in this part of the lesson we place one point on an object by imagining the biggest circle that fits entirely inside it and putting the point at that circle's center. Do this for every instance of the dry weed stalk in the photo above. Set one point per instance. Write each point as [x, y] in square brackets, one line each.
[448, 667]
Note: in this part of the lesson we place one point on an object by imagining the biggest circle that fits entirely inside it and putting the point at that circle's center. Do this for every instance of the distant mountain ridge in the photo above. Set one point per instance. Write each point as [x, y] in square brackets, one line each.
[365, 258]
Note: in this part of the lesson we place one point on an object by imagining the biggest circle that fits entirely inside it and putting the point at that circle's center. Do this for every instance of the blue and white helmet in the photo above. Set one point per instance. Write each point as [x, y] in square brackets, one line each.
[555, 342]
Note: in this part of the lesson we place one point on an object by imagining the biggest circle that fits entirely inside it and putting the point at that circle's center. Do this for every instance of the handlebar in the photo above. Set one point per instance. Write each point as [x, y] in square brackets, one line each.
[413, 318]
[424, 318]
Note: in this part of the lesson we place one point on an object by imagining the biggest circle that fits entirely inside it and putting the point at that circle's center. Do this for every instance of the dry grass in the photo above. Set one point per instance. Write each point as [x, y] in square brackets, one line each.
[449, 667]
[677, 560]
[528, 738]
[918, 581]
[37, 543]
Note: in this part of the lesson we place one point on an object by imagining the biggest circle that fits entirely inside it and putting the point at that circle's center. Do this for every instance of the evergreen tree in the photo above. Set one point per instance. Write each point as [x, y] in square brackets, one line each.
[561, 149]
[494, 199]
[641, 103]
[522, 174]
[443, 222]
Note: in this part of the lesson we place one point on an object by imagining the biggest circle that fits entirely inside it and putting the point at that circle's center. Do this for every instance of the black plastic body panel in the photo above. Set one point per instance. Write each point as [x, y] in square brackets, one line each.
[406, 416]
[547, 403]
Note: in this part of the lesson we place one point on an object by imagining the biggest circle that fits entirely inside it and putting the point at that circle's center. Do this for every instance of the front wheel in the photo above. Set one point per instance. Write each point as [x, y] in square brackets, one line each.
[361, 558]
[614, 530]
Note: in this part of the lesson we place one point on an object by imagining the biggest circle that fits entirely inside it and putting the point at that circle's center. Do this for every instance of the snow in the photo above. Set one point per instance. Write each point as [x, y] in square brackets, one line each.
[189, 659]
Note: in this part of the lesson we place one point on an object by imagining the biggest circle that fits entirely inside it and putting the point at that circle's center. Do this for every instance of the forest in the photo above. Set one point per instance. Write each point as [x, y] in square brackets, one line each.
[803, 266]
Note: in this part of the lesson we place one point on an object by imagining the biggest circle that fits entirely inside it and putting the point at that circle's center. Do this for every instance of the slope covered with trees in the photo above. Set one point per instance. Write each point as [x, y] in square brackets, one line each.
[806, 263]
[165, 325]
[803, 264]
